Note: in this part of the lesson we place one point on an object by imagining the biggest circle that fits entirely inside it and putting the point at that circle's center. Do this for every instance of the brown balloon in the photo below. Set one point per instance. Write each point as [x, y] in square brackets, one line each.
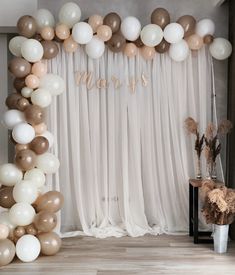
[45, 221]
[7, 251]
[162, 47]
[25, 160]
[19, 67]
[117, 43]
[38, 37]
[208, 39]
[50, 49]
[138, 42]
[27, 26]
[39, 145]
[31, 229]
[19, 84]
[160, 17]
[188, 23]
[6, 197]
[34, 114]
[51, 201]
[113, 20]
[22, 103]
[50, 243]
[12, 100]
[19, 231]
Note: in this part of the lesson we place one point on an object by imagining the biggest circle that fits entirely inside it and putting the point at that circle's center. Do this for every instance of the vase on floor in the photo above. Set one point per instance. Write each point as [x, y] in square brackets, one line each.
[220, 237]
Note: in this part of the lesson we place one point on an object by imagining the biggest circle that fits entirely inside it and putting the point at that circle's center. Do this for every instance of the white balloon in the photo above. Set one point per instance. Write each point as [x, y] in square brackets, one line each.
[48, 163]
[173, 33]
[10, 174]
[205, 27]
[26, 92]
[44, 18]
[179, 51]
[95, 48]
[52, 83]
[25, 191]
[69, 14]
[49, 136]
[41, 97]
[23, 133]
[4, 219]
[22, 214]
[32, 50]
[131, 28]
[13, 117]
[36, 176]
[220, 48]
[151, 35]
[28, 248]
[15, 45]
[82, 33]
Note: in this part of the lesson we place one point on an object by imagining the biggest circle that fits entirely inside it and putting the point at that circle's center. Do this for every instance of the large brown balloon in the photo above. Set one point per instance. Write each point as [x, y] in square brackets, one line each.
[45, 221]
[19, 67]
[19, 84]
[160, 17]
[39, 145]
[6, 197]
[34, 114]
[208, 39]
[162, 47]
[113, 20]
[27, 26]
[7, 252]
[19, 231]
[117, 43]
[22, 103]
[50, 49]
[25, 159]
[188, 23]
[12, 100]
[51, 201]
[50, 243]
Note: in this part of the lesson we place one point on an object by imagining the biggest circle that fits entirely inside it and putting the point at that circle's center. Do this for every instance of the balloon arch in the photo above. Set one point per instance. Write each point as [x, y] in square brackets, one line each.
[26, 225]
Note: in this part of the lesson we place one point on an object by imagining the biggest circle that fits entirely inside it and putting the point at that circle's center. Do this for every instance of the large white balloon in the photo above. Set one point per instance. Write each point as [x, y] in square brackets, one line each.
[36, 176]
[32, 50]
[22, 214]
[220, 48]
[151, 35]
[28, 248]
[52, 83]
[44, 18]
[173, 33]
[205, 27]
[131, 28]
[95, 48]
[25, 191]
[13, 117]
[48, 163]
[82, 33]
[23, 133]
[69, 14]
[10, 174]
[15, 45]
[26, 92]
[4, 219]
[179, 51]
[41, 97]
[49, 136]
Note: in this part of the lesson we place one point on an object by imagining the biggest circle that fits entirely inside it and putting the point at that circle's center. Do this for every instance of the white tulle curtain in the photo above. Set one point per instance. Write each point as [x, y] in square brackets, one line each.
[125, 156]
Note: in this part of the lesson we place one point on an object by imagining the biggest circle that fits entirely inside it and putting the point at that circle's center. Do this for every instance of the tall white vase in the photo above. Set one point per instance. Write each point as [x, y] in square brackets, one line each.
[220, 238]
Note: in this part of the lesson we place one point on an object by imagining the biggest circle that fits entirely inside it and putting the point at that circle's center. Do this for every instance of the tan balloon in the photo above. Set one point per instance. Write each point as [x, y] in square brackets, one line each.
[51, 201]
[47, 33]
[19, 232]
[40, 128]
[32, 81]
[62, 31]
[130, 50]
[50, 243]
[148, 53]
[70, 45]
[95, 21]
[104, 32]
[45, 221]
[31, 229]
[7, 252]
[4, 231]
[195, 42]
[34, 114]
[208, 39]
[19, 147]
[22, 103]
[39, 69]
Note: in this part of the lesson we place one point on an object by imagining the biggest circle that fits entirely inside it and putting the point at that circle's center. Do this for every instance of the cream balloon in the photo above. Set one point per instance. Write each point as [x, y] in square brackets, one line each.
[220, 48]
[10, 174]
[25, 191]
[53, 83]
[95, 48]
[69, 14]
[104, 32]
[205, 27]
[44, 18]
[28, 248]
[4, 231]
[48, 163]
[23, 133]
[49, 136]
[41, 97]
[36, 176]
[151, 35]
[15, 45]
[13, 117]
[131, 28]
[22, 214]
[82, 33]
[32, 50]
[179, 51]
[173, 33]
[5, 219]
[26, 92]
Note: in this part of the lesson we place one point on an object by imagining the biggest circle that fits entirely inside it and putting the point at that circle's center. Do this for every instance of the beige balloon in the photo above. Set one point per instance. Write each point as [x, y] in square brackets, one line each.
[70, 45]
[47, 33]
[148, 53]
[51, 201]
[95, 21]
[39, 69]
[62, 31]
[4, 231]
[32, 81]
[50, 243]
[19, 231]
[45, 221]
[7, 252]
[40, 128]
[104, 32]
[195, 42]
[130, 50]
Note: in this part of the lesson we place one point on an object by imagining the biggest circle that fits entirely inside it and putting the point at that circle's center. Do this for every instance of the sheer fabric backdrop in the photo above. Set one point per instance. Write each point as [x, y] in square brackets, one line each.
[125, 156]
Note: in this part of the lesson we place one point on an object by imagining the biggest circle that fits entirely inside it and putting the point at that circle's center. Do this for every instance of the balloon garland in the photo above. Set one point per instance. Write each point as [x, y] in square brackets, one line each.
[26, 227]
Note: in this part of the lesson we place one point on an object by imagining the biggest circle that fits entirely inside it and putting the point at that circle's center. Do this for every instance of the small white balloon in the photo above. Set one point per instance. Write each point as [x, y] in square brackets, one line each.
[82, 33]
[151, 35]
[53, 83]
[179, 51]
[205, 27]
[15, 45]
[36, 176]
[25, 191]
[44, 18]
[23, 133]
[22, 214]
[70, 14]
[13, 117]
[32, 50]
[173, 33]
[49, 136]
[220, 48]
[48, 163]
[10, 174]
[26, 92]
[131, 28]
[4, 231]
[28, 248]
[95, 48]
[41, 97]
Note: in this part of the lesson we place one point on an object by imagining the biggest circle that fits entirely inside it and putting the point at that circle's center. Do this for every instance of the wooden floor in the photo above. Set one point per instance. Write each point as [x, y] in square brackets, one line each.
[147, 255]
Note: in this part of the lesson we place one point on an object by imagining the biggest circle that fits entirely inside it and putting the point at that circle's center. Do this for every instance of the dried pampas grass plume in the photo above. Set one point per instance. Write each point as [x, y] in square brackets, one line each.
[210, 130]
[224, 127]
[191, 126]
